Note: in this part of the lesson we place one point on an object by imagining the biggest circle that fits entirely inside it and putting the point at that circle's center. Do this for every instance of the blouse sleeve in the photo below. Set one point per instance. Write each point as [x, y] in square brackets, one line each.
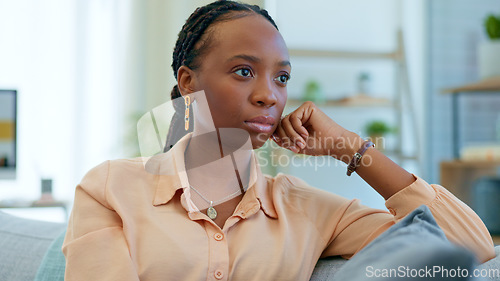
[95, 247]
[358, 225]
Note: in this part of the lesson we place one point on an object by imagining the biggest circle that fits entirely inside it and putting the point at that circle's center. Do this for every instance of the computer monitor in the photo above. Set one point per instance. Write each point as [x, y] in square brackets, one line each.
[8, 134]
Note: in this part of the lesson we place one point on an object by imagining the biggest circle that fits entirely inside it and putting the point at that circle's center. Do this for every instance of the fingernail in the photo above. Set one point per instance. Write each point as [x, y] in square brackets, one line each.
[304, 136]
[301, 144]
[293, 148]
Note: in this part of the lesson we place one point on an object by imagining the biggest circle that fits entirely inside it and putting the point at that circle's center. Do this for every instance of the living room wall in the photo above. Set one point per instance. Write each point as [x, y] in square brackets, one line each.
[454, 31]
[85, 69]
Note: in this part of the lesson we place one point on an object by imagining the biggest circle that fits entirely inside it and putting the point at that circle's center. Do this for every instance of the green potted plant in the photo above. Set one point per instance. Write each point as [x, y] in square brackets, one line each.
[492, 25]
[313, 92]
[489, 51]
[376, 130]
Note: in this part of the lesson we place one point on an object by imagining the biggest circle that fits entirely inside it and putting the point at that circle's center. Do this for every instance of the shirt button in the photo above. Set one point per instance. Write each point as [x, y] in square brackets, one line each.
[218, 236]
[392, 211]
[218, 274]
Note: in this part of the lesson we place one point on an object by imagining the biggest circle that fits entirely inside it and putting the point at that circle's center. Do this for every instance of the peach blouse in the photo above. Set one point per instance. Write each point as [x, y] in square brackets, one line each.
[130, 224]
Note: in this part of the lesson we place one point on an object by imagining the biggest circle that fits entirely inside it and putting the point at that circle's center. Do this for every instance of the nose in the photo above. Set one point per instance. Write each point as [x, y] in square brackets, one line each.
[263, 94]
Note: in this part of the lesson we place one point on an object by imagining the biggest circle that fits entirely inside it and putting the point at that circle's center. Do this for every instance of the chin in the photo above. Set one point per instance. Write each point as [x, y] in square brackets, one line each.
[235, 137]
[259, 140]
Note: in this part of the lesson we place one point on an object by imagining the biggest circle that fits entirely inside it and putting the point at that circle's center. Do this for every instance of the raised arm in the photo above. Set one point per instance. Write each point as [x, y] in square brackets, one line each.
[309, 131]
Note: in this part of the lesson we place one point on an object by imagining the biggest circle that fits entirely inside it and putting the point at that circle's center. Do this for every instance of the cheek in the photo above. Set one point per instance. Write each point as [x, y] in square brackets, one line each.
[228, 111]
[226, 102]
[282, 98]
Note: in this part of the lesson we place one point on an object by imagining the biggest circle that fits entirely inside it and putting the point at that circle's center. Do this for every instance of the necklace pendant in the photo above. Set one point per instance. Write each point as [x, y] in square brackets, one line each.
[211, 212]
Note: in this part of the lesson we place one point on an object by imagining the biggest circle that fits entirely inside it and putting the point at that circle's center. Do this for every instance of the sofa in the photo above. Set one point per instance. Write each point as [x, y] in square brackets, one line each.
[31, 250]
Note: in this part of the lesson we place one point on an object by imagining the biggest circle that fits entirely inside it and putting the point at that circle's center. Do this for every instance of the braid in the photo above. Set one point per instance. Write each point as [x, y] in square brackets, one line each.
[193, 33]
[186, 51]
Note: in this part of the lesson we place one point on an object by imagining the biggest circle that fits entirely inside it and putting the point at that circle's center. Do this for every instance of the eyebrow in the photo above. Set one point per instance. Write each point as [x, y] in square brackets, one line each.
[255, 59]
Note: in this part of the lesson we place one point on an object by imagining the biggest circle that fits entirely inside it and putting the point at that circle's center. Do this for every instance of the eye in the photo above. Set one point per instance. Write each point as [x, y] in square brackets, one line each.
[283, 78]
[244, 72]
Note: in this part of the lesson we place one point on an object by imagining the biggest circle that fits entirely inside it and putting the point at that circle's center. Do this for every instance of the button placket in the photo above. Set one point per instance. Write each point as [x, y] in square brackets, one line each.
[218, 252]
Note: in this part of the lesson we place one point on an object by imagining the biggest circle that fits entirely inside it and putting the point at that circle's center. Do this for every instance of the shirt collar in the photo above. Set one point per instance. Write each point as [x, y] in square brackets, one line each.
[171, 177]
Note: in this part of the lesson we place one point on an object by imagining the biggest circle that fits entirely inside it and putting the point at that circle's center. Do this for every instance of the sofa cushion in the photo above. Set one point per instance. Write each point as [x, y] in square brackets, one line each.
[491, 268]
[23, 244]
[413, 249]
[326, 268]
[53, 263]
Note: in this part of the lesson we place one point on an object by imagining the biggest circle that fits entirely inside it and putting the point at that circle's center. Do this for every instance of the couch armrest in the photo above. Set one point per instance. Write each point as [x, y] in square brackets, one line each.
[327, 267]
[23, 244]
[492, 266]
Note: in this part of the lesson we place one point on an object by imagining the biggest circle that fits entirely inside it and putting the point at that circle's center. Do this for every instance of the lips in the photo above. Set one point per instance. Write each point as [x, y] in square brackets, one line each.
[261, 124]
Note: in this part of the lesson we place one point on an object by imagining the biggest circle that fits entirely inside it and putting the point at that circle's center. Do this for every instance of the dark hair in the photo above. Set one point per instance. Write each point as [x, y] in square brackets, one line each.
[187, 51]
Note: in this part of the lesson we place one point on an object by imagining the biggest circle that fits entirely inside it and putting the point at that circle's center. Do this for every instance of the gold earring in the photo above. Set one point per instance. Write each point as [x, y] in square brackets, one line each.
[187, 102]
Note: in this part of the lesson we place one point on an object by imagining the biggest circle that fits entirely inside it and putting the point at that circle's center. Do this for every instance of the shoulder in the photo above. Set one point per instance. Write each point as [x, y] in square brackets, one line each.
[121, 171]
[102, 171]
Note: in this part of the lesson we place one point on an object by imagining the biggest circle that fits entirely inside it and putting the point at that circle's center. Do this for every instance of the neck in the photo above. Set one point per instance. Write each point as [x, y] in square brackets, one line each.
[214, 168]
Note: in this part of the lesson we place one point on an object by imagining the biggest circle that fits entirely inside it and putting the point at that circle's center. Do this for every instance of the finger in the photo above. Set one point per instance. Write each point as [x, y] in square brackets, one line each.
[284, 140]
[280, 135]
[301, 116]
[275, 138]
[292, 133]
[297, 124]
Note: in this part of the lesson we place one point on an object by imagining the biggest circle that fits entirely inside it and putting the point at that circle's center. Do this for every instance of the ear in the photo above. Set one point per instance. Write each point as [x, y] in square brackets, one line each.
[186, 80]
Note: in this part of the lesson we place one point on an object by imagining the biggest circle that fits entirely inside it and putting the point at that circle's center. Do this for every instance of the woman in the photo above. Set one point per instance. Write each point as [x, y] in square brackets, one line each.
[203, 210]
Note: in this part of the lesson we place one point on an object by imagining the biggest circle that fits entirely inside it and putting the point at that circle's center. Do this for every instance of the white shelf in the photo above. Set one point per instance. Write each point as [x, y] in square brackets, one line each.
[355, 101]
[486, 85]
[401, 103]
[311, 53]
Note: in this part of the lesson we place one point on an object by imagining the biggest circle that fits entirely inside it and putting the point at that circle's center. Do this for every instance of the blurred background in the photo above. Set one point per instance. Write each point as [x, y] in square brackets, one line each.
[76, 75]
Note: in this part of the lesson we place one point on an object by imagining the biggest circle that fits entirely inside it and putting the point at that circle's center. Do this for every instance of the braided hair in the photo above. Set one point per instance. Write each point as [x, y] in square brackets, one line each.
[191, 45]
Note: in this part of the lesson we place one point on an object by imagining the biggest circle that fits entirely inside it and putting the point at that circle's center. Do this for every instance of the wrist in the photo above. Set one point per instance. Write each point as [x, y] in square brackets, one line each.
[356, 160]
[347, 145]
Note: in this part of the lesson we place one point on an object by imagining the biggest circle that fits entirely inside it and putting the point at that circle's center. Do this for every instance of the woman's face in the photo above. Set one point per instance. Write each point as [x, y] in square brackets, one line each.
[244, 75]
